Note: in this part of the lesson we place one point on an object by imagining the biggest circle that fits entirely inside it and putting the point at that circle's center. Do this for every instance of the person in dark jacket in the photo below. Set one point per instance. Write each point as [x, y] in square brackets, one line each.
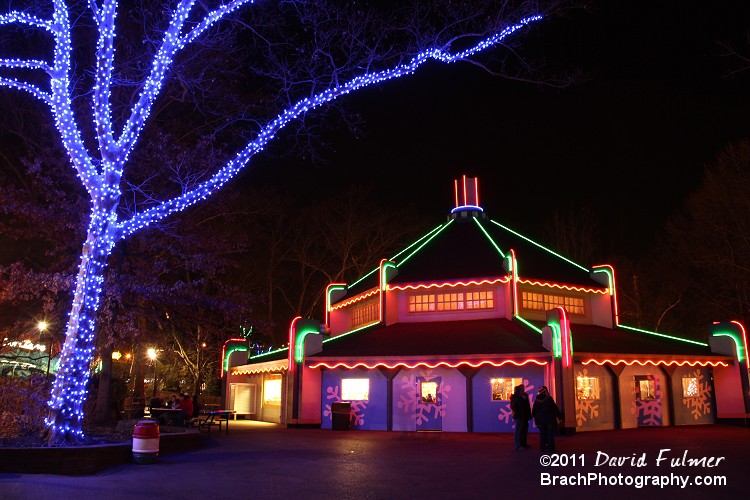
[521, 411]
[546, 414]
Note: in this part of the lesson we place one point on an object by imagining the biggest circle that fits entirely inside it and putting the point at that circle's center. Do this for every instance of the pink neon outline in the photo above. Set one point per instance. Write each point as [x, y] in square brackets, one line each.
[328, 300]
[514, 276]
[565, 334]
[359, 297]
[290, 358]
[361, 364]
[744, 341]
[613, 290]
[657, 362]
[564, 287]
[224, 351]
[504, 279]
[464, 183]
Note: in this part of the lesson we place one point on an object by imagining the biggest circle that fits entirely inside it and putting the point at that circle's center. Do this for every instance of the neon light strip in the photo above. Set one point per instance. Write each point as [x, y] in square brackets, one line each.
[358, 298]
[384, 265]
[299, 342]
[504, 279]
[556, 347]
[540, 246]
[425, 364]
[225, 354]
[484, 231]
[332, 287]
[431, 237]
[464, 207]
[655, 362]
[530, 325]
[349, 332]
[566, 340]
[258, 370]
[514, 276]
[476, 191]
[610, 271]
[695, 342]
[455, 190]
[426, 236]
[257, 356]
[744, 343]
[290, 356]
[564, 287]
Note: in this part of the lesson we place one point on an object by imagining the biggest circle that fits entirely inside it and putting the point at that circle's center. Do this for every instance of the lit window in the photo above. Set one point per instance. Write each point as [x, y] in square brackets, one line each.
[355, 389]
[502, 388]
[272, 391]
[690, 387]
[365, 313]
[428, 392]
[645, 387]
[544, 302]
[587, 388]
[455, 301]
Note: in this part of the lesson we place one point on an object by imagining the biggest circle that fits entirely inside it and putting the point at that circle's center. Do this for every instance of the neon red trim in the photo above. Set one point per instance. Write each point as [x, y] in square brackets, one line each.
[656, 362]
[447, 364]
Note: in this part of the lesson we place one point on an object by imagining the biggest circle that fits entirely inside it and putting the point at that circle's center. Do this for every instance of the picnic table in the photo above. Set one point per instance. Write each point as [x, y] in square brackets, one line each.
[170, 414]
[209, 418]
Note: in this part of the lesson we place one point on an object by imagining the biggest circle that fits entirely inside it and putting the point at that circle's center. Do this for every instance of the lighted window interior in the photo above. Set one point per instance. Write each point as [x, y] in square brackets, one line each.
[355, 389]
[502, 388]
[690, 387]
[454, 301]
[544, 302]
[646, 388]
[365, 313]
[272, 391]
[428, 392]
[587, 387]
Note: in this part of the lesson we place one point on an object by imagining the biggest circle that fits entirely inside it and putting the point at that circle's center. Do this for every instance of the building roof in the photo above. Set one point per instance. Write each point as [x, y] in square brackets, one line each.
[443, 338]
[473, 248]
[602, 341]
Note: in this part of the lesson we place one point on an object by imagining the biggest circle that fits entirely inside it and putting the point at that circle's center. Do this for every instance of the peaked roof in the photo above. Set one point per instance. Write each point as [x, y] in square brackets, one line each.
[473, 248]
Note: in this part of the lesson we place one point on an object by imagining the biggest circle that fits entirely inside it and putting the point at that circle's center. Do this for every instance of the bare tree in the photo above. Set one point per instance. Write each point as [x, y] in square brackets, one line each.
[101, 113]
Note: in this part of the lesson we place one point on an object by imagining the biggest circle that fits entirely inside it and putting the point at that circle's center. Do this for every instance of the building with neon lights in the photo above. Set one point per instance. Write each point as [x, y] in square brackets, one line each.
[436, 337]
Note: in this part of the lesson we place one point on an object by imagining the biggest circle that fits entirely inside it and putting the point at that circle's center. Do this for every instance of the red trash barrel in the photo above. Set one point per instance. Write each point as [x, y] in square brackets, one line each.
[146, 442]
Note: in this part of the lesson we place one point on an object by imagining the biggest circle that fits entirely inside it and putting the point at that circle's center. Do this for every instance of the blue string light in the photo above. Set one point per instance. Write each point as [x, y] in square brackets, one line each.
[101, 173]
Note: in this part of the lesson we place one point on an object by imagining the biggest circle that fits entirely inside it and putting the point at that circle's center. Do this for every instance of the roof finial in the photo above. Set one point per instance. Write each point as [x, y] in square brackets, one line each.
[467, 197]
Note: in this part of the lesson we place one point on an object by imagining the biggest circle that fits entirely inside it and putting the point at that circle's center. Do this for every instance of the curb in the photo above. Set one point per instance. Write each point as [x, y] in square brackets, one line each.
[86, 460]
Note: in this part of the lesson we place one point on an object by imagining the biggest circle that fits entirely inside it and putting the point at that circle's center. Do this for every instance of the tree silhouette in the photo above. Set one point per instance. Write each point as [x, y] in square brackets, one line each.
[61, 66]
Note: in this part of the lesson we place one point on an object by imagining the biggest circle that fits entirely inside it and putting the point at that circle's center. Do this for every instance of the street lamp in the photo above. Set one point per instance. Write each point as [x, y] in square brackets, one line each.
[152, 356]
[42, 326]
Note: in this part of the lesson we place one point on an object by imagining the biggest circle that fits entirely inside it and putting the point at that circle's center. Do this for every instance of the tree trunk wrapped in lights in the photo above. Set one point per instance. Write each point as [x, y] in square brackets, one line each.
[100, 142]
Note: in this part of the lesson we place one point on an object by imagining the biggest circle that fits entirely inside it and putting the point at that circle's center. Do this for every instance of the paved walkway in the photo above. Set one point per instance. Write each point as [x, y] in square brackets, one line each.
[268, 461]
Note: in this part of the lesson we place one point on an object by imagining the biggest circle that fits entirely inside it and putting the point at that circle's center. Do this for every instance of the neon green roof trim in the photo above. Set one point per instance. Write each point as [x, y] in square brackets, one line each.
[429, 233]
[737, 342]
[427, 239]
[488, 237]
[530, 325]
[269, 353]
[671, 337]
[540, 246]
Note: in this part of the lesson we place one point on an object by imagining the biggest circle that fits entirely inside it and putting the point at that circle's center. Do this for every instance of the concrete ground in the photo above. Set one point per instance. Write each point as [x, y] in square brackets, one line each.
[258, 460]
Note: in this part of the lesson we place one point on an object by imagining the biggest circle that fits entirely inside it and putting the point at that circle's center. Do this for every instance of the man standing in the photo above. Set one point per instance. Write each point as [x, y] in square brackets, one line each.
[546, 414]
[521, 410]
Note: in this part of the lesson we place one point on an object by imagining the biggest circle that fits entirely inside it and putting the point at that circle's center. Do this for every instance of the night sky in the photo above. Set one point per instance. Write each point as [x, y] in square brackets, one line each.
[632, 140]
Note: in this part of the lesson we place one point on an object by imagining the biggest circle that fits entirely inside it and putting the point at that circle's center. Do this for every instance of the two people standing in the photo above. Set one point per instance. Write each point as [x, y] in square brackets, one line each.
[545, 413]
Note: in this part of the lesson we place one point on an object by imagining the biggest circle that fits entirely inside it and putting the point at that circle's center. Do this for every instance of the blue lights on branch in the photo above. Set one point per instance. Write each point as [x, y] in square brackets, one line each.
[100, 172]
